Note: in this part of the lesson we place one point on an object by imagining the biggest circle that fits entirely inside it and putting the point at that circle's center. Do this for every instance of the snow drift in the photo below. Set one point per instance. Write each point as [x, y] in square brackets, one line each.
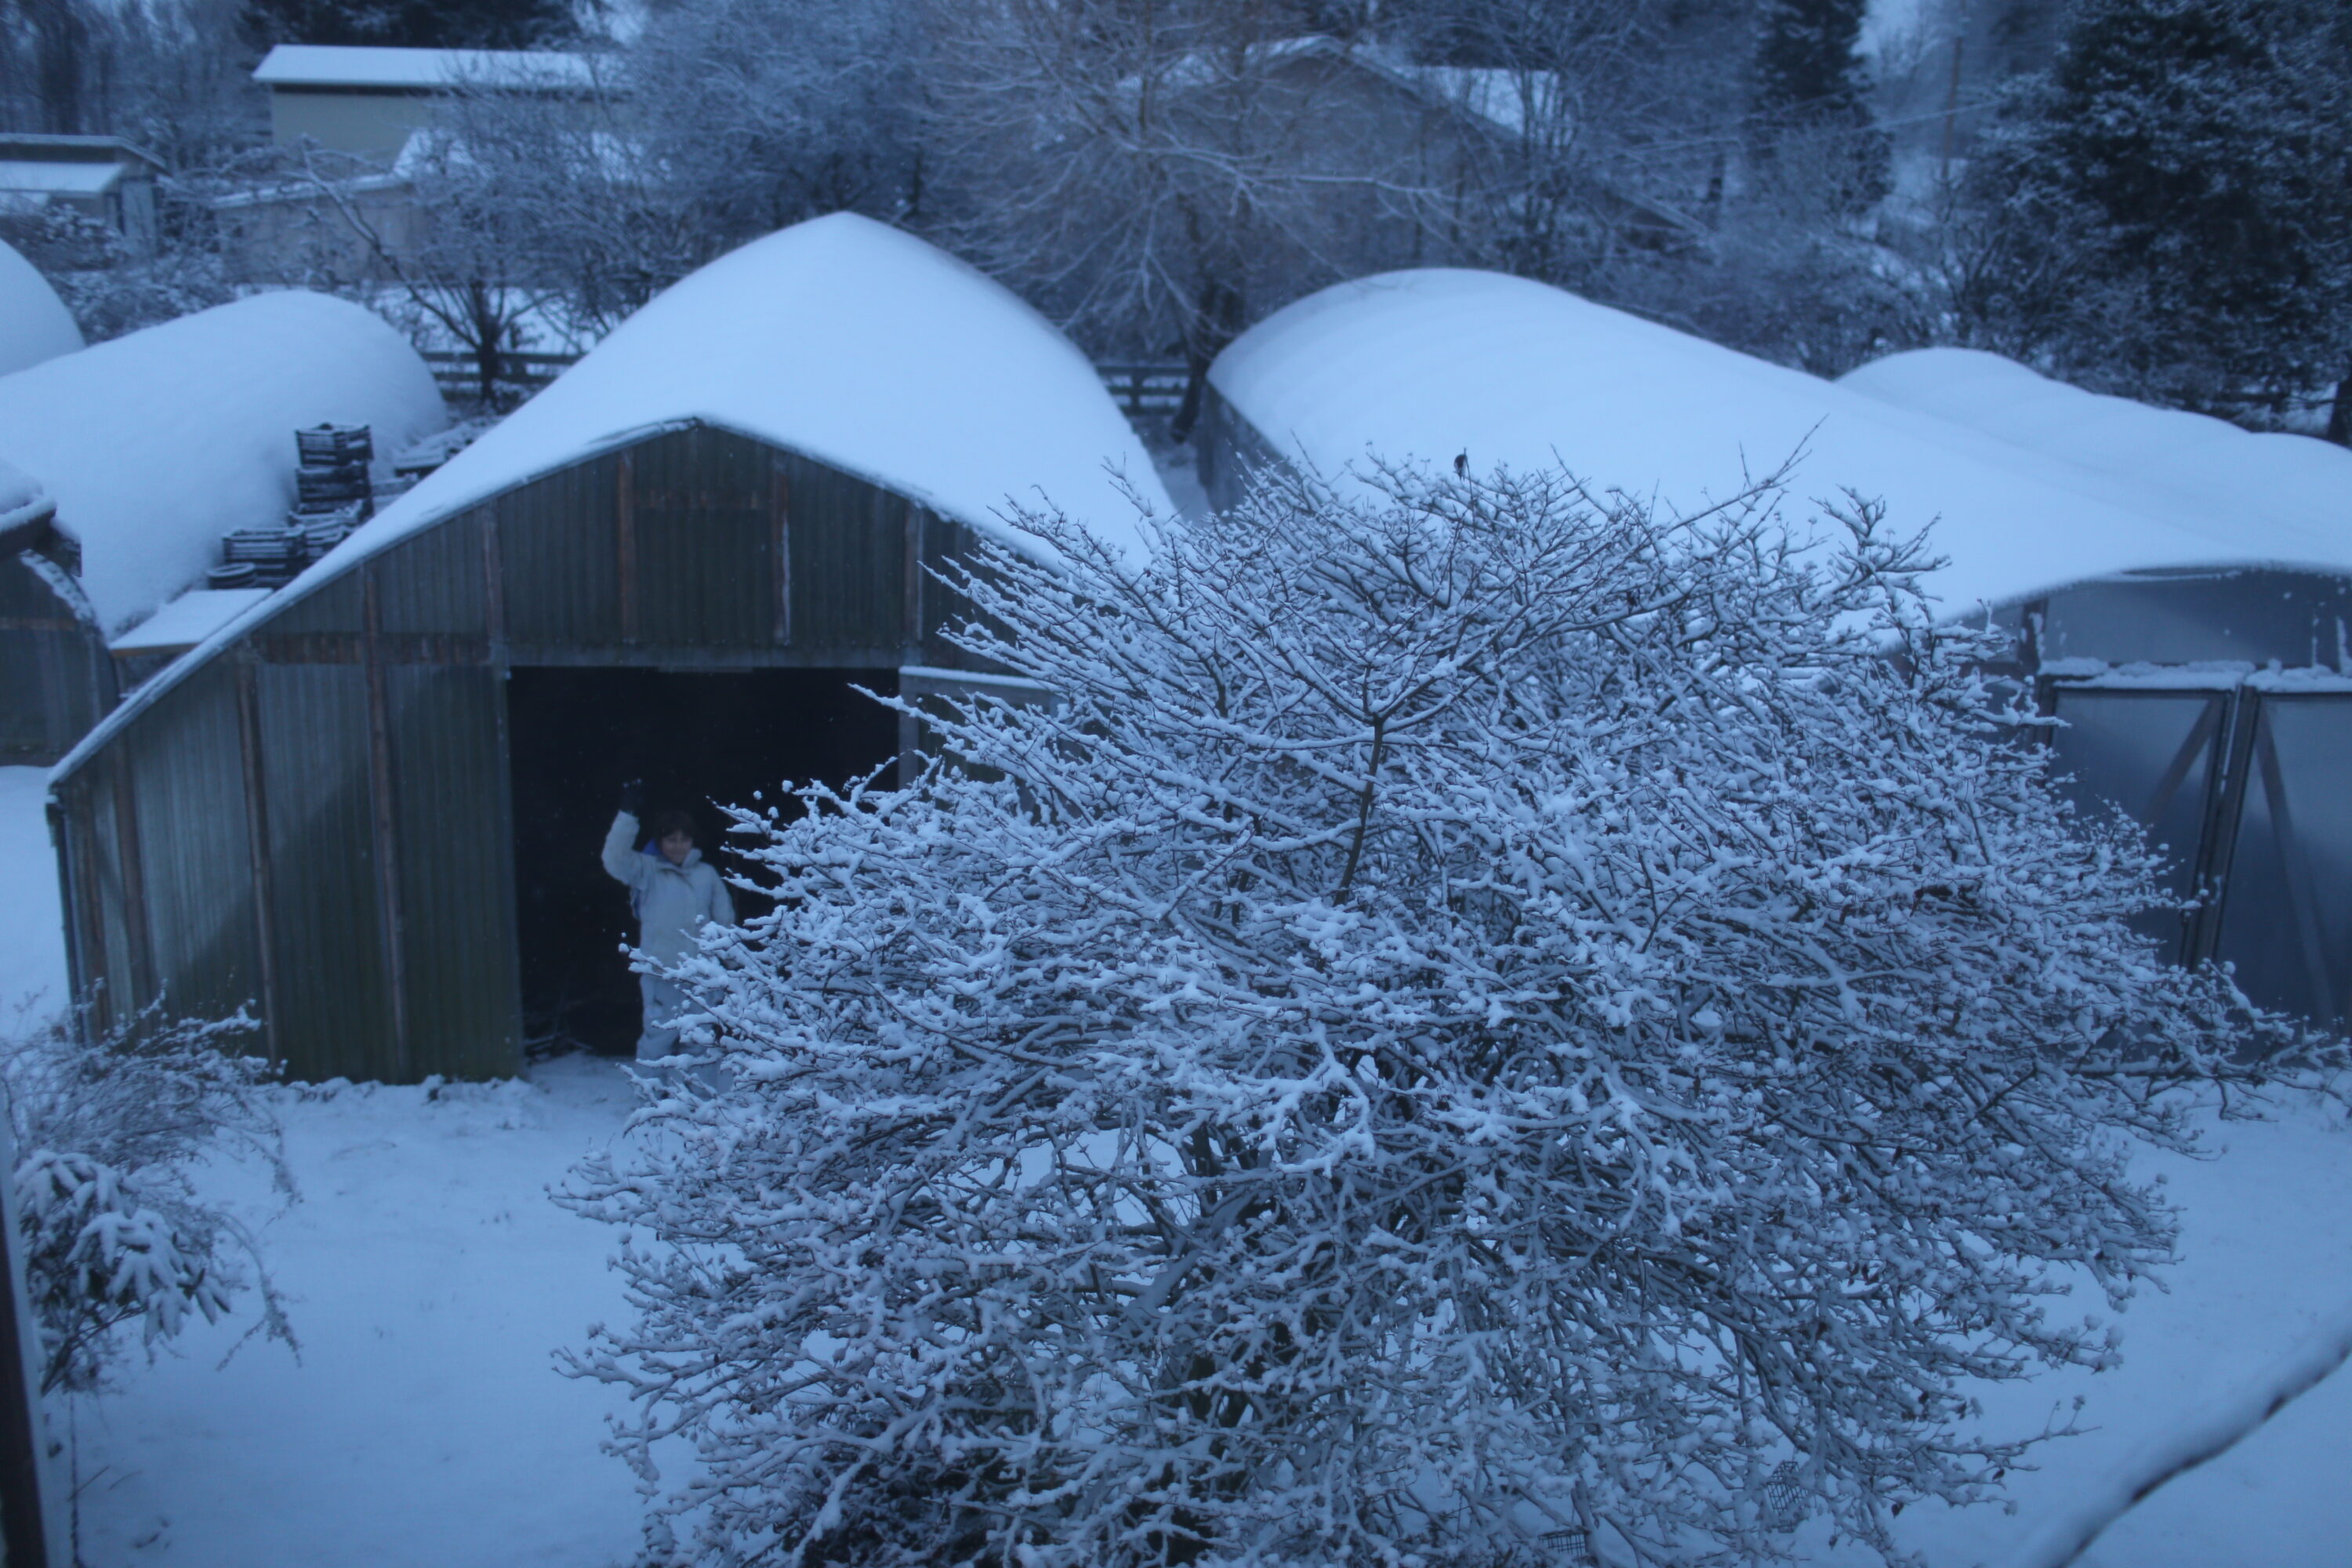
[1428, 364]
[155, 444]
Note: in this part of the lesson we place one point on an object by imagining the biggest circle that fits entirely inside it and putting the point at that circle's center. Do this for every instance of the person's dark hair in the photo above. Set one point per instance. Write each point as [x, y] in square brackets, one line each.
[668, 822]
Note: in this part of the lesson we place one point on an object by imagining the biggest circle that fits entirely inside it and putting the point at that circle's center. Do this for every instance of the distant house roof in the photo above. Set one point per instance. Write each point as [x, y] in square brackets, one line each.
[27, 147]
[1426, 365]
[155, 444]
[371, 70]
[35, 324]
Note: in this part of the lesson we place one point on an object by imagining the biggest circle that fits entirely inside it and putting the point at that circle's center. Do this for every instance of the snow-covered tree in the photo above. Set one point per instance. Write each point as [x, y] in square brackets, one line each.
[1157, 177]
[1480, 1008]
[108, 1129]
[2169, 213]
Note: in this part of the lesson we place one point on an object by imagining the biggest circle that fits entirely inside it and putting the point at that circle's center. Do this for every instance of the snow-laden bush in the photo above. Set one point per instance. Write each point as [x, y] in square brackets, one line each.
[108, 1129]
[1474, 1013]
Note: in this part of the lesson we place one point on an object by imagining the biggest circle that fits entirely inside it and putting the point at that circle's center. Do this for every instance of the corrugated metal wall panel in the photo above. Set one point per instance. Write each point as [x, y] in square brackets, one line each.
[187, 775]
[54, 682]
[432, 583]
[334, 1002]
[117, 978]
[850, 561]
[456, 870]
[704, 573]
[333, 607]
[560, 557]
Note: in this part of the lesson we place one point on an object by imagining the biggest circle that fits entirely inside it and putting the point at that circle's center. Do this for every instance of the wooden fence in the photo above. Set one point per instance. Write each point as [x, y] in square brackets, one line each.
[1139, 389]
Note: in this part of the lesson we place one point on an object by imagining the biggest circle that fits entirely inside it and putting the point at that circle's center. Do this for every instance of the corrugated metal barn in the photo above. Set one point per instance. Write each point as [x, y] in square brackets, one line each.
[369, 808]
[150, 447]
[2181, 591]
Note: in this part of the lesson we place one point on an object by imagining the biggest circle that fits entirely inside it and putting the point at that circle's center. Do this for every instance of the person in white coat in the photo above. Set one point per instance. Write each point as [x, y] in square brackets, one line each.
[674, 892]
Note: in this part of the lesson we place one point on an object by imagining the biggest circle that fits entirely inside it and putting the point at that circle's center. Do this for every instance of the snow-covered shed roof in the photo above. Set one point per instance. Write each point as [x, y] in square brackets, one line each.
[1426, 365]
[841, 339]
[155, 444]
[187, 620]
[386, 70]
[850, 342]
[2252, 480]
[35, 324]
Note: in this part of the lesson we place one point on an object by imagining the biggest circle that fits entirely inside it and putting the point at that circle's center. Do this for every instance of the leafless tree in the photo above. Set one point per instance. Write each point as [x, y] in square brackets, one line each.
[1156, 174]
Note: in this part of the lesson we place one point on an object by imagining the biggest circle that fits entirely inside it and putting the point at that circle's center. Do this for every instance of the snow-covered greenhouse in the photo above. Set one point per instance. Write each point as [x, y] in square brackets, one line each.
[371, 805]
[2179, 590]
[150, 447]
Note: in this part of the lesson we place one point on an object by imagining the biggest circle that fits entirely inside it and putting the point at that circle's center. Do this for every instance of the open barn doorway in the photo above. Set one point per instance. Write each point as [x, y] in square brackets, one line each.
[700, 742]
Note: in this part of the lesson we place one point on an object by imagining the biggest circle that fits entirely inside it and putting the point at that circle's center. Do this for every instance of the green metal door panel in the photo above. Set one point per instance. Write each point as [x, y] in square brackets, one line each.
[334, 1001]
[456, 870]
[559, 557]
[702, 525]
[187, 774]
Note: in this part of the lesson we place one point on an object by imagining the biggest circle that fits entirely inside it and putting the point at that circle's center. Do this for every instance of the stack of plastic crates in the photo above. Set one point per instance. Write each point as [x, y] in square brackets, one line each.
[333, 495]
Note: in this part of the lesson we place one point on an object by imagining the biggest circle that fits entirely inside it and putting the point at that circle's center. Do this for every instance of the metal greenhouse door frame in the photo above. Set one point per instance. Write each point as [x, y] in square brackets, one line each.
[2246, 780]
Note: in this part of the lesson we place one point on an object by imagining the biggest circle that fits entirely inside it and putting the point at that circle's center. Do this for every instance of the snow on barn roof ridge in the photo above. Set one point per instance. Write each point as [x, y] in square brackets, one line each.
[35, 324]
[2209, 462]
[365, 65]
[841, 339]
[154, 444]
[1423, 364]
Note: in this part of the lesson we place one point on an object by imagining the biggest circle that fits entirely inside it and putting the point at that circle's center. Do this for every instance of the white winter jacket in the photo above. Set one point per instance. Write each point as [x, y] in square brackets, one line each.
[671, 902]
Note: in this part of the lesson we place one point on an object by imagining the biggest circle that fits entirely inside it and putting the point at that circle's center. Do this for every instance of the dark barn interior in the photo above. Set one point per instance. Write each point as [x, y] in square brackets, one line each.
[700, 742]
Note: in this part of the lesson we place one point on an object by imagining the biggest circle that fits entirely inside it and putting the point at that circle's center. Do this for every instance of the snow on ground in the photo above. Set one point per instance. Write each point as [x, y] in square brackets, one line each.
[430, 1279]
[32, 934]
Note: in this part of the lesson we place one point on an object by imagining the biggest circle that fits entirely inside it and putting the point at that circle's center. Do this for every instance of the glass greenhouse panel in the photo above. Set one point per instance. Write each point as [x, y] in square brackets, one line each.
[2154, 754]
[2286, 920]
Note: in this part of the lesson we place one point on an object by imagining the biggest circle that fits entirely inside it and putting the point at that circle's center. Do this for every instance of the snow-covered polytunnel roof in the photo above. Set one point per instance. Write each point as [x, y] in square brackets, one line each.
[2253, 482]
[841, 339]
[22, 499]
[155, 444]
[847, 342]
[35, 324]
[1426, 365]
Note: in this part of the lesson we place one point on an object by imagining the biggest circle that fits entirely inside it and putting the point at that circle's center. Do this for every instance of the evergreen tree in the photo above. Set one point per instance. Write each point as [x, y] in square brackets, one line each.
[2170, 213]
[1812, 90]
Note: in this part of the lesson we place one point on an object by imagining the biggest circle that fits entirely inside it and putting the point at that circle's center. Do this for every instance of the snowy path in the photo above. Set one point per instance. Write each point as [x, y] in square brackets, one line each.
[431, 1279]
